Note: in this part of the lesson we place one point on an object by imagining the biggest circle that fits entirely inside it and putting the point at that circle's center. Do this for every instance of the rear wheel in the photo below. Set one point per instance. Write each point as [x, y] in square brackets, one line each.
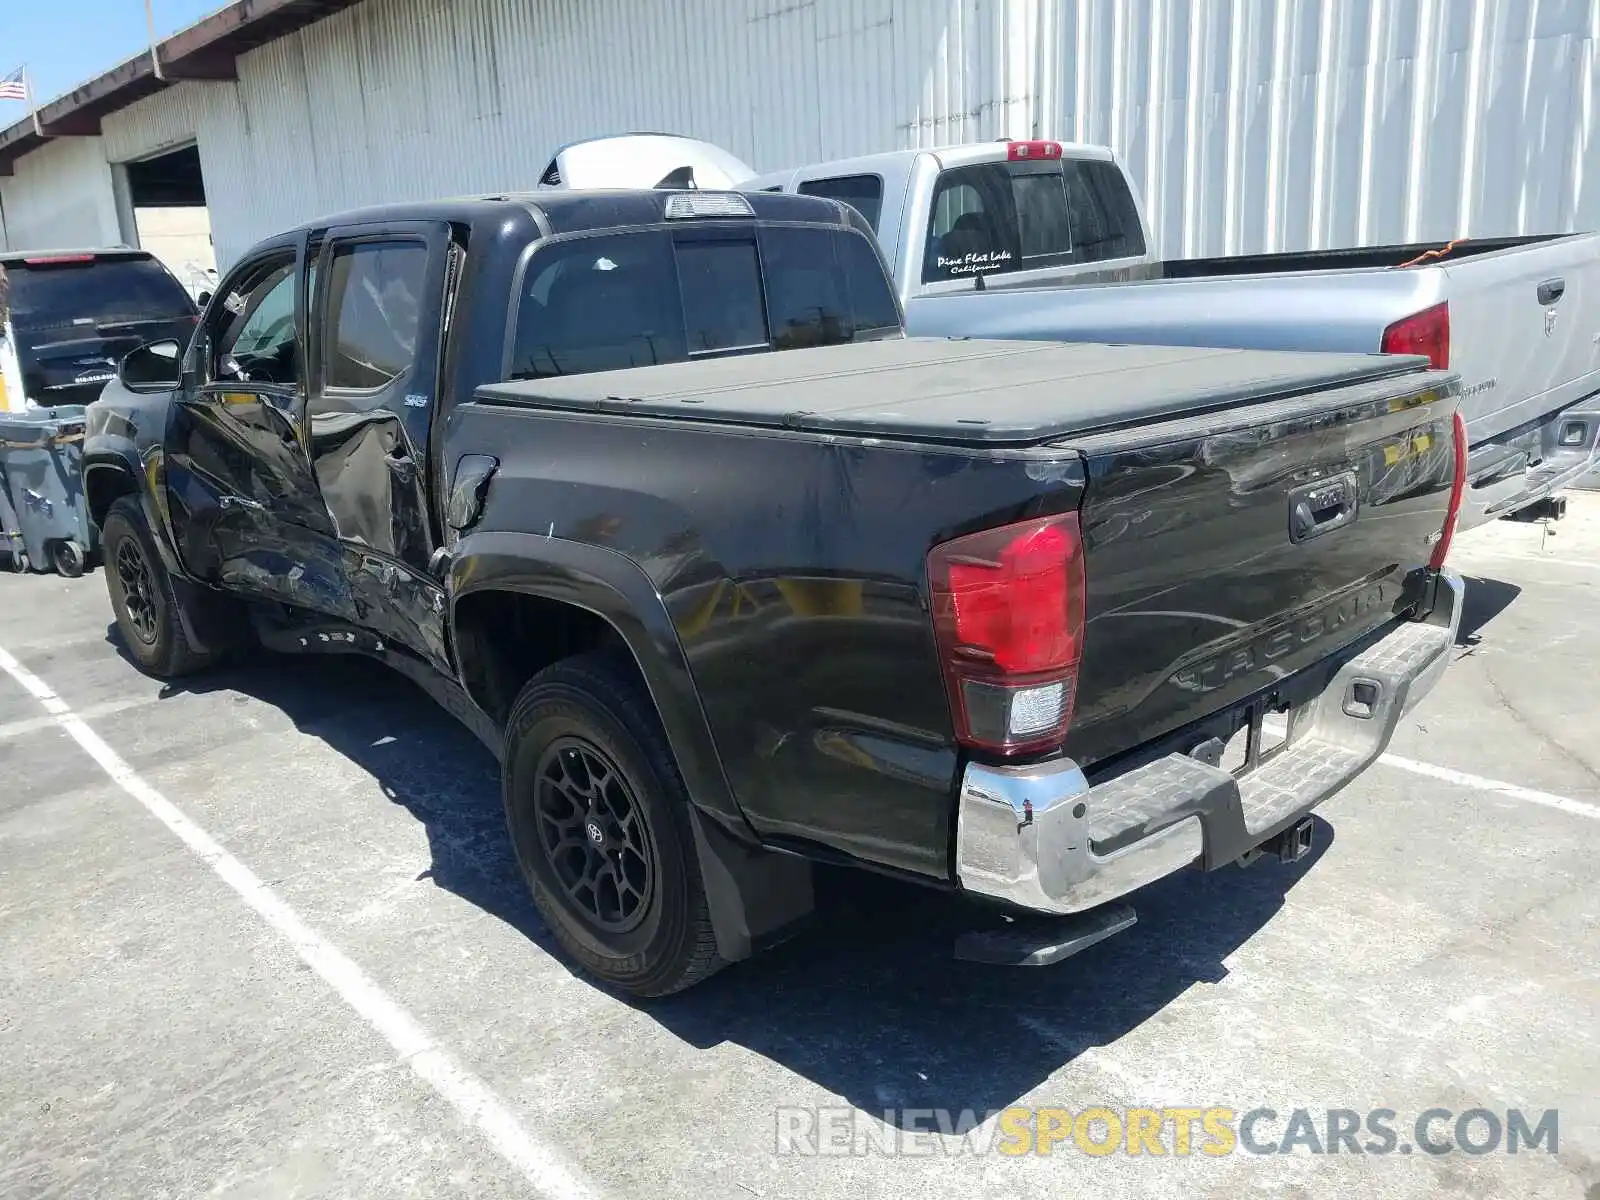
[599, 818]
[143, 598]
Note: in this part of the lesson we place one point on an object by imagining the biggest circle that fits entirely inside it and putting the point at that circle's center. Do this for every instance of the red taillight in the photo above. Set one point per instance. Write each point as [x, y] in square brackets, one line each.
[1020, 151]
[1458, 491]
[1008, 619]
[1426, 333]
[56, 260]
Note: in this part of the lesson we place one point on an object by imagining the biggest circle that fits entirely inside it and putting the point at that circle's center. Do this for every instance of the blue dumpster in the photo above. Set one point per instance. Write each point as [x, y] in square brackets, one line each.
[43, 519]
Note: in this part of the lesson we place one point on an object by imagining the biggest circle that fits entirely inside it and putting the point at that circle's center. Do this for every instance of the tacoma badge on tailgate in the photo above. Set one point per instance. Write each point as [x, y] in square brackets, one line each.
[1209, 675]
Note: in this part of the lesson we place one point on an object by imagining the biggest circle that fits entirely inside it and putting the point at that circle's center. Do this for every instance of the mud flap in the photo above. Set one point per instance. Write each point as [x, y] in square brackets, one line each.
[212, 622]
[757, 897]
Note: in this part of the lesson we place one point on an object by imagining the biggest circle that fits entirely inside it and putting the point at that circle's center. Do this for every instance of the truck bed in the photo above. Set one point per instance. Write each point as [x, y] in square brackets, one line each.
[783, 507]
[1513, 317]
[1346, 258]
[992, 393]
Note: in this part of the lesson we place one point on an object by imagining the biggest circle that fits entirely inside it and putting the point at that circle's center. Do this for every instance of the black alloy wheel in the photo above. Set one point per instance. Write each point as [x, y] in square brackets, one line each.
[138, 591]
[604, 829]
[593, 834]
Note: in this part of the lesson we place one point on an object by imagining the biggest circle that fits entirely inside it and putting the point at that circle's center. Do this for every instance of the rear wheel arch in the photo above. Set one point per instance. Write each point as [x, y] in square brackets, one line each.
[601, 600]
[504, 637]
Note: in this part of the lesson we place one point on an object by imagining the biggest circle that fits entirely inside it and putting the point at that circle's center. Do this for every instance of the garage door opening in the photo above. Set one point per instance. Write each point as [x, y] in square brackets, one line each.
[168, 196]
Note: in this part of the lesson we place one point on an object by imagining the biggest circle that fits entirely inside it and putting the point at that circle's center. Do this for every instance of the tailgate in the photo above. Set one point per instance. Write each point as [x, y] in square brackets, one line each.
[66, 366]
[71, 365]
[1226, 553]
[1522, 327]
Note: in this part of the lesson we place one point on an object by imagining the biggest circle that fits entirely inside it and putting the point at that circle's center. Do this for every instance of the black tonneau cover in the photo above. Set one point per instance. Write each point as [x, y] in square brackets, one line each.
[952, 389]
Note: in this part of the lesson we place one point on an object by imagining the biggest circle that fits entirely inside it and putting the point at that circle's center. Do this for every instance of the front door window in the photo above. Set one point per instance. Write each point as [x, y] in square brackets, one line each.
[254, 339]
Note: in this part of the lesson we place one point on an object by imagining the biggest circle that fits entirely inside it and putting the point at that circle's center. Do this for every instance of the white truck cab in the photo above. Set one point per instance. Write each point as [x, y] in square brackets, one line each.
[988, 215]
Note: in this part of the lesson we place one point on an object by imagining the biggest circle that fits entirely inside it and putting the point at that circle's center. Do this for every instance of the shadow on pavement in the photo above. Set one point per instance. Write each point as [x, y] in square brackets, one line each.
[422, 759]
[1486, 599]
[871, 1006]
[868, 1002]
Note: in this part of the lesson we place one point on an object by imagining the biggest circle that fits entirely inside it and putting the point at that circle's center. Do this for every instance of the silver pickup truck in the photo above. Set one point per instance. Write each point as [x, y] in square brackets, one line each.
[1048, 240]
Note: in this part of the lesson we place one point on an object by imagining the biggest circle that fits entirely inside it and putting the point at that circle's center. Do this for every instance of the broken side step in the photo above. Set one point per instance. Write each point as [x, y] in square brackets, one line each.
[1030, 941]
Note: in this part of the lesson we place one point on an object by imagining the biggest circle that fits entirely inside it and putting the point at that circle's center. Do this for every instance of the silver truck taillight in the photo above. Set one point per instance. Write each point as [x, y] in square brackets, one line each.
[1426, 333]
[1008, 616]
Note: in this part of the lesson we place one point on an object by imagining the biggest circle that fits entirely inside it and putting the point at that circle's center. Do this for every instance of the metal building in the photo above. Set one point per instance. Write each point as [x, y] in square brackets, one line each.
[1248, 124]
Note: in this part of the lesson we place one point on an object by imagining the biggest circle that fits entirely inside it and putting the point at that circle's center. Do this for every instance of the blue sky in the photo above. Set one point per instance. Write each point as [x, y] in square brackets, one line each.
[65, 42]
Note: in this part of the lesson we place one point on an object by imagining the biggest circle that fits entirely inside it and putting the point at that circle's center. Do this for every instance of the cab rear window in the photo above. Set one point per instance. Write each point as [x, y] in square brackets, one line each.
[611, 301]
[864, 193]
[1015, 216]
[74, 290]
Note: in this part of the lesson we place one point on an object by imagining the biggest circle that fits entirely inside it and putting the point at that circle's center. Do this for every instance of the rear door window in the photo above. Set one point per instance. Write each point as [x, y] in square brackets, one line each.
[864, 193]
[374, 298]
[1000, 217]
[93, 291]
[613, 301]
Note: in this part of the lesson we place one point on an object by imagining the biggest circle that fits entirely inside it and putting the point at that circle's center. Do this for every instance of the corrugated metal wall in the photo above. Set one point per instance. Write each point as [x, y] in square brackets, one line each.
[1286, 124]
[163, 121]
[60, 196]
[1248, 124]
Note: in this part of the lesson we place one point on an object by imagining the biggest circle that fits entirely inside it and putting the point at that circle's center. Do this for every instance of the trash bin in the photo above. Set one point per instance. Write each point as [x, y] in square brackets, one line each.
[43, 519]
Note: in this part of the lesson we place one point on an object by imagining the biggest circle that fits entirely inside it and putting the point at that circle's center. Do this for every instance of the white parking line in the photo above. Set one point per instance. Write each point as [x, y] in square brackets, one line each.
[1520, 554]
[1576, 807]
[107, 708]
[541, 1165]
[61, 641]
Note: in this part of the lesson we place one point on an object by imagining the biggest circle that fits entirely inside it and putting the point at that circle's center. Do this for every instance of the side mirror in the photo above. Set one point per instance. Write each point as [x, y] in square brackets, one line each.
[153, 367]
[203, 299]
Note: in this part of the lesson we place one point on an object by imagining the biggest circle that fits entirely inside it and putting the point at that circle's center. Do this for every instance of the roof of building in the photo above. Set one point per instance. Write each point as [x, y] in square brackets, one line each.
[208, 49]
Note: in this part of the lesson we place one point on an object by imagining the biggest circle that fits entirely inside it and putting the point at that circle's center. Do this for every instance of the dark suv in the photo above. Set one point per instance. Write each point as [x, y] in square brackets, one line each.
[75, 313]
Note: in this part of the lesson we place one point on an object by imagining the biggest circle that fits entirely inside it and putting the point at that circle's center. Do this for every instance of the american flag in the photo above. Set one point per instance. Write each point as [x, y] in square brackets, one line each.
[13, 87]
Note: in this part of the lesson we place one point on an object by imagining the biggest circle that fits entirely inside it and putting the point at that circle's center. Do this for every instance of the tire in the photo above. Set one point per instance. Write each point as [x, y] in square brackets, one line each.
[147, 612]
[586, 720]
[67, 558]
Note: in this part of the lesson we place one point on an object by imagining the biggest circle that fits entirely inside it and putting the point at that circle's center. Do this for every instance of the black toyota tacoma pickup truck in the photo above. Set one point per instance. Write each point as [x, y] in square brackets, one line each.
[993, 617]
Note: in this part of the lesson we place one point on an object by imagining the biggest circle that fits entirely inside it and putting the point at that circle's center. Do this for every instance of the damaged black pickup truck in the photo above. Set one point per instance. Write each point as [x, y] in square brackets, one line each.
[649, 489]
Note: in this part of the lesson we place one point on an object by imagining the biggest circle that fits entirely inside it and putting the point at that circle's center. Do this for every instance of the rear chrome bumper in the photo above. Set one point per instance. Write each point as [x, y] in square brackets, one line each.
[1558, 466]
[1039, 837]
